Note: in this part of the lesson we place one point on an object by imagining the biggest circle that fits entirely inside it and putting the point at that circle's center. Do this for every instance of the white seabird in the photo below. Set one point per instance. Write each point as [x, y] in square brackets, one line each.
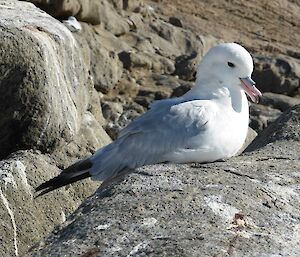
[208, 123]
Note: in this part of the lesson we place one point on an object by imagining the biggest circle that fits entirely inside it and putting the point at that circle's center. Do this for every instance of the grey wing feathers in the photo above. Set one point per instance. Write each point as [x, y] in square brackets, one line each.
[150, 137]
[167, 127]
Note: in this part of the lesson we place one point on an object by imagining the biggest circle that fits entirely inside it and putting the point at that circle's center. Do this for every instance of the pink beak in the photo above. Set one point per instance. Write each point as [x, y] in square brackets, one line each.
[249, 87]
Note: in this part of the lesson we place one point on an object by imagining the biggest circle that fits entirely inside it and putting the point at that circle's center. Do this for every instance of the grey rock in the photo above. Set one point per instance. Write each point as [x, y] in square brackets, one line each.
[279, 75]
[47, 102]
[251, 135]
[285, 128]
[171, 41]
[129, 5]
[119, 114]
[261, 116]
[104, 13]
[182, 88]
[147, 61]
[135, 21]
[23, 219]
[246, 206]
[104, 64]
[278, 101]
[44, 87]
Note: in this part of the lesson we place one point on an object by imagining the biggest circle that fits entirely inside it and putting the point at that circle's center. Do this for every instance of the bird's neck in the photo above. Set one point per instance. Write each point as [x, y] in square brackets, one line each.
[215, 90]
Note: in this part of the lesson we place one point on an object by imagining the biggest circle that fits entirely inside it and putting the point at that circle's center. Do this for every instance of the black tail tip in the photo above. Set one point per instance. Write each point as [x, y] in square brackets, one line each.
[75, 172]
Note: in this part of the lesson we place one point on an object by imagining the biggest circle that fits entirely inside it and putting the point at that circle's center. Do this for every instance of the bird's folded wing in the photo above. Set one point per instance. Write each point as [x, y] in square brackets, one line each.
[166, 128]
[152, 136]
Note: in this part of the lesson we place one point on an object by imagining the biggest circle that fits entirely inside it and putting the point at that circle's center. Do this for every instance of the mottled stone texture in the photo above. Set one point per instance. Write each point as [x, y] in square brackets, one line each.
[49, 117]
[246, 206]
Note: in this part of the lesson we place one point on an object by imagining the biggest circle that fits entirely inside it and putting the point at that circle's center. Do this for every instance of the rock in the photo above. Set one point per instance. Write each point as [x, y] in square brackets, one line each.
[279, 75]
[171, 41]
[251, 135]
[105, 67]
[285, 128]
[44, 88]
[147, 61]
[94, 12]
[95, 108]
[125, 59]
[72, 24]
[131, 4]
[135, 22]
[166, 81]
[24, 219]
[261, 116]
[102, 12]
[186, 66]
[175, 21]
[182, 89]
[47, 103]
[119, 114]
[278, 101]
[246, 206]
[59, 8]
[127, 86]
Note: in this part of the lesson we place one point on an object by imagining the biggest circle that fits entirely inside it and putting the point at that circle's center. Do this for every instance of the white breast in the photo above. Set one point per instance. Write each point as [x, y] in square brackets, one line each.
[224, 136]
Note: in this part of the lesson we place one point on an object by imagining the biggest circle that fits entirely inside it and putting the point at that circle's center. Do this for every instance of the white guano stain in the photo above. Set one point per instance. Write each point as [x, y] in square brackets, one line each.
[103, 227]
[137, 248]
[149, 222]
[6, 176]
[223, 210]
[12, 218]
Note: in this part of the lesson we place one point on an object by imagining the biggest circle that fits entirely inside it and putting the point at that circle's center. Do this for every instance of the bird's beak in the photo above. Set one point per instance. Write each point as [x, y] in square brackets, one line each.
[249, 86]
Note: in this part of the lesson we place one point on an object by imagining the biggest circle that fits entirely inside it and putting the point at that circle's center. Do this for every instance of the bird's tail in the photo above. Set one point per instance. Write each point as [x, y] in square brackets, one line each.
[75, 172]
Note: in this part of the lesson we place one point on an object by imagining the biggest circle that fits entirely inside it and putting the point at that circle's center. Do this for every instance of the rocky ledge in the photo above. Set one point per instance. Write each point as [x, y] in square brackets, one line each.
[245, 206]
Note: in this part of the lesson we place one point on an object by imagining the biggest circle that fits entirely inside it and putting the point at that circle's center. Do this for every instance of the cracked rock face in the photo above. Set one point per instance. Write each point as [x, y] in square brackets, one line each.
[44, 88]
[47, 103]
[246, 206]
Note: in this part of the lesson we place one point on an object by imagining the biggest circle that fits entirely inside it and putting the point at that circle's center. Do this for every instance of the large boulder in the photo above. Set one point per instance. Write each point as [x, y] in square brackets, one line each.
[44, 89]
[246, 206]
[49, 109]
[23, 218]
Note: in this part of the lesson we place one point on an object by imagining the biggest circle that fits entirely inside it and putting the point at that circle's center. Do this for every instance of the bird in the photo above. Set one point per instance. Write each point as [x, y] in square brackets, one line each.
[206, 124]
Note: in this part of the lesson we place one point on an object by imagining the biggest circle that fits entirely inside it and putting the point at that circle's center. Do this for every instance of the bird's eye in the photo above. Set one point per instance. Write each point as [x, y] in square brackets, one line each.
[231, 65]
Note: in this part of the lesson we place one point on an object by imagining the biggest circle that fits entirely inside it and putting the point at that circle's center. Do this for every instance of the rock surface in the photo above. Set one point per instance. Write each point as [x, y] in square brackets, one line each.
[23, 218]
[47, 103]
[44, 89]
[246, 206]
[278, 74]
[265, 27]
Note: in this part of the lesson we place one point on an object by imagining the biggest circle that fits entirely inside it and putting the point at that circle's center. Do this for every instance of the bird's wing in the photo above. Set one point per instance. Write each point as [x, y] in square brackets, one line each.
[169, 116]
[153, 135]
[165, 128]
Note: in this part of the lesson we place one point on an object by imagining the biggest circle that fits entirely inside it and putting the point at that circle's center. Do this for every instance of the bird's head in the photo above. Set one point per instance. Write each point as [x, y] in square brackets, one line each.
[231, 65]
